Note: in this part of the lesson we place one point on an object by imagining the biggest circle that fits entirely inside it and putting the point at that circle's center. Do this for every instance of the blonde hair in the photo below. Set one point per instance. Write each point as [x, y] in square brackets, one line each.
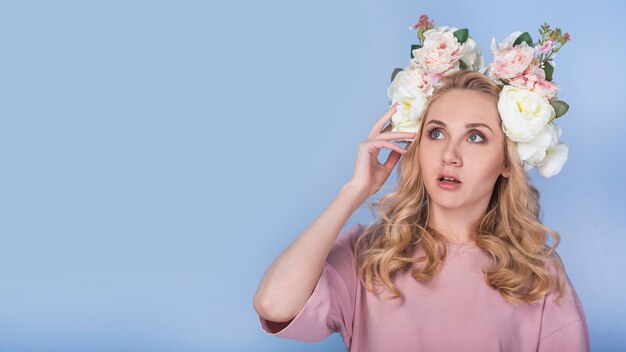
[510, 231]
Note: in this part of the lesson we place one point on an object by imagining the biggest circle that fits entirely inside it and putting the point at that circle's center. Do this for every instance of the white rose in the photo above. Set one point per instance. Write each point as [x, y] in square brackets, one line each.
[408, 83]
[506, 43]
[524, 113]
[410, 91]
[405, 119]
[554, 161]
[534, 152]
[472, 56]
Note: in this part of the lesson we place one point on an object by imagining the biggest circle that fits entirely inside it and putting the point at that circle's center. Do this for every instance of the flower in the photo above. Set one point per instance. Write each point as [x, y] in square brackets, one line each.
[534, 152]
[524, 113]
[438, 55]
[525, 99]
[512, 62]
[522, 67]
[535, 80]
[410, 90]
[546, 46]
[505, 44]
[423, 23]
[406, 118]
[472, 56]
[441, 51]
[546, 88]
[554, 161]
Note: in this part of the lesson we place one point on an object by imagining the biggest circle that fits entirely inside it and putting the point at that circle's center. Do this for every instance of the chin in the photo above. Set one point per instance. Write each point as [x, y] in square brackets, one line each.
[447, 199]
[448, 203]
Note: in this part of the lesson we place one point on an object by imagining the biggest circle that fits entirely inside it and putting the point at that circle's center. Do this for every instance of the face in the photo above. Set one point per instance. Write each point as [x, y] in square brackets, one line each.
[463, 138]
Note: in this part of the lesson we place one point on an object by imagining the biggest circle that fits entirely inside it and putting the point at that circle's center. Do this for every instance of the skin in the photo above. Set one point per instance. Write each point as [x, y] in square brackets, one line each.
[475, 155]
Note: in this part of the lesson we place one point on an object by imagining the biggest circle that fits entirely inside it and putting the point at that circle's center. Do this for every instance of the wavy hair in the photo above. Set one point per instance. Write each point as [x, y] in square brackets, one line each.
[510, 231]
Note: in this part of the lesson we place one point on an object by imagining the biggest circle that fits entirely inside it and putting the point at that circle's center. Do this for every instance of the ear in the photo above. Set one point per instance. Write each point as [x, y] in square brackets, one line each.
[505, 172]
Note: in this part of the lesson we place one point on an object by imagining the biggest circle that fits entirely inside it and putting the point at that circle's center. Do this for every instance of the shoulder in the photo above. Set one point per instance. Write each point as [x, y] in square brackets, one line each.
[553, 262]
[557, 312]
[556, 268]
[563, 320]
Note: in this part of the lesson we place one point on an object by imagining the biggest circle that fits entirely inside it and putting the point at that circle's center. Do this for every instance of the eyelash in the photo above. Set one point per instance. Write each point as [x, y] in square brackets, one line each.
[473, 132]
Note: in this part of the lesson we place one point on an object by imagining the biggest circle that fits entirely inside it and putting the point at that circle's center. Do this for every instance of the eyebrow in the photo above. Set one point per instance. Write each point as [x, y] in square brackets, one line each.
[469, 125]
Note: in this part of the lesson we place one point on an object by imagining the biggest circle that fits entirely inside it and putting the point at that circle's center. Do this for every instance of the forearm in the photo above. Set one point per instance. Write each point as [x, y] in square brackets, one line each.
[289, 281]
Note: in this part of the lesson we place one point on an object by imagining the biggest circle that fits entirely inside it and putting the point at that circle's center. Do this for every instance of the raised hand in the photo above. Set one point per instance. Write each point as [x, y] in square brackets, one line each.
[369, 174]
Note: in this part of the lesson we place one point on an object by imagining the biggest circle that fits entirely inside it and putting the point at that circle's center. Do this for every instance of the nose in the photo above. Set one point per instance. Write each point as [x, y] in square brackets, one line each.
[451, 156]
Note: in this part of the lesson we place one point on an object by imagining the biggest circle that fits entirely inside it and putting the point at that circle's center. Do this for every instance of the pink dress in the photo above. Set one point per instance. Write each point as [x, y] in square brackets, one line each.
[456, 311]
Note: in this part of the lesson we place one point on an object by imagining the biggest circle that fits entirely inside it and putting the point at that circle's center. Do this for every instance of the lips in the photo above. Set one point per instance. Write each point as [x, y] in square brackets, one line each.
[448, 177]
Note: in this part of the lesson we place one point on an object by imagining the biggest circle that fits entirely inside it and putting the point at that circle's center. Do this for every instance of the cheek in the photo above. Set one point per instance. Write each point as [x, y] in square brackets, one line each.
[425, 157]
[491, 163]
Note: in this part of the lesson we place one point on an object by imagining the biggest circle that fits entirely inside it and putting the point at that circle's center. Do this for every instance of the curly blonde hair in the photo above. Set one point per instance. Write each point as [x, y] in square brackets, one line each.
[510, 231]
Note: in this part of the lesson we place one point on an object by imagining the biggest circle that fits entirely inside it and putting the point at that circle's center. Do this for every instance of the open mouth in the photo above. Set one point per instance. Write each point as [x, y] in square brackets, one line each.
[449, 179]
[448, 183]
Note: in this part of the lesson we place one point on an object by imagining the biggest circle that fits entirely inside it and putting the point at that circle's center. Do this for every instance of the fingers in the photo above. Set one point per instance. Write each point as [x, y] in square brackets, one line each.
[379, 143]
[374, 145]
[378, 131]
[392, 160]
[378, 125]
[396, 135]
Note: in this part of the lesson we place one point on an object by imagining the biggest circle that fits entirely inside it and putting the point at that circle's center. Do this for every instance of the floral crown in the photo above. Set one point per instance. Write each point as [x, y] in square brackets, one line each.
[527, 102]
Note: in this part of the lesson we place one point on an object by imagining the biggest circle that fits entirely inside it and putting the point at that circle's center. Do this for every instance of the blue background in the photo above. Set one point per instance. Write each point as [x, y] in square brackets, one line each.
[158, 155]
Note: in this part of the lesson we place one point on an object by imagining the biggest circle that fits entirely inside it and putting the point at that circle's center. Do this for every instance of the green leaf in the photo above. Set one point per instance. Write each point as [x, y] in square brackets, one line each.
[394, 73]
[548, 69]
[462, 65]
[461, 35]
[413, 47]
[560, 107]
[524, 37]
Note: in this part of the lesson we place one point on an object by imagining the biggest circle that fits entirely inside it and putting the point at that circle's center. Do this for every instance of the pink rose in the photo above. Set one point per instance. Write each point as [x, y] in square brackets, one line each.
[441, 51]
[535, 79]
[546, 88]
[512, 62]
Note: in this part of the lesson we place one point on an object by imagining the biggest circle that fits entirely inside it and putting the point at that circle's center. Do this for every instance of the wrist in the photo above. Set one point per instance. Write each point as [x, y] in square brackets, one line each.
[354, 190]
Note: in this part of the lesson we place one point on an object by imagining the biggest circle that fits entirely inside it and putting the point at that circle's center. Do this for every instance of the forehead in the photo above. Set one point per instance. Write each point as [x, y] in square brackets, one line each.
[464, 106]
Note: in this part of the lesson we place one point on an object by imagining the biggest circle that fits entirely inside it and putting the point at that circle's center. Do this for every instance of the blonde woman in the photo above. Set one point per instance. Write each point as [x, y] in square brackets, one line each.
[458, 260]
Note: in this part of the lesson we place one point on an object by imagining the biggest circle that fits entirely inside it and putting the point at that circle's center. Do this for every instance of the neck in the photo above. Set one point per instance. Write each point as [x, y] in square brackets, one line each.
[456, 224]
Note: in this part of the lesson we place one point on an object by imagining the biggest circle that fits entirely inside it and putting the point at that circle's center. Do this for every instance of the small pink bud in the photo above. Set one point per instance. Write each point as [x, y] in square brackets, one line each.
[546, 46]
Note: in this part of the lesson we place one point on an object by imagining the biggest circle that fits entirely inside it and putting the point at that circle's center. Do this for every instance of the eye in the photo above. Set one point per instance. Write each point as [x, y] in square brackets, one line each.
[433, 133]
[475, 137]
[479, 135]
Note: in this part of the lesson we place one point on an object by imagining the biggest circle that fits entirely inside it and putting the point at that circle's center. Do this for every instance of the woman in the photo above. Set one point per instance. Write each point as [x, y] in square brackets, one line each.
[459, 249]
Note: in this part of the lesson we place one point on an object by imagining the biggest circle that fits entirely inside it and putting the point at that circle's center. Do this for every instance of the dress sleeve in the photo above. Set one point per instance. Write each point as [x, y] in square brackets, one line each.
[564, 327]
[330, 308]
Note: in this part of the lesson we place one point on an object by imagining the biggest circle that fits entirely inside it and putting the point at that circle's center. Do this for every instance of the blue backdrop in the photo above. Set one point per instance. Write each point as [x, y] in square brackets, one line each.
[158, 155]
